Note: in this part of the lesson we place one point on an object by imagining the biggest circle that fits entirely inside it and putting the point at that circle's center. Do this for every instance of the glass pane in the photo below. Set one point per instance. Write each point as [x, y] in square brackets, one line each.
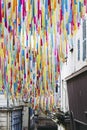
[78, 49]
[84, 50]
[84, 29]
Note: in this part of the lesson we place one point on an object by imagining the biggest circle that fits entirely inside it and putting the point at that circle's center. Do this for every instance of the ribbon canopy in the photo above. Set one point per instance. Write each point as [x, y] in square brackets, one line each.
[33, 42]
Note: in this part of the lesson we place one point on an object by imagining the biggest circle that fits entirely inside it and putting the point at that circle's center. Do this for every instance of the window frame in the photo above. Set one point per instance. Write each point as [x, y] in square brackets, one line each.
[84, 40]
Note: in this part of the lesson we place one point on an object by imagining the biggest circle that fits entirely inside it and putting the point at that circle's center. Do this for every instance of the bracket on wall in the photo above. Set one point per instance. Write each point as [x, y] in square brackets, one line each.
[71, 49]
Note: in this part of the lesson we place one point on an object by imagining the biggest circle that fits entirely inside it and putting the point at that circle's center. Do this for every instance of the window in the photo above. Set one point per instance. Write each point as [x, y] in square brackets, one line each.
[84, 39]
[78, 49]
[84, 29]
[84, 50]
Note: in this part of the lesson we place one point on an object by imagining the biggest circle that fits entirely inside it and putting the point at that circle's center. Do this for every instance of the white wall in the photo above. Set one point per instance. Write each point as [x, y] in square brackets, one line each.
[3, 100]
[72, 65]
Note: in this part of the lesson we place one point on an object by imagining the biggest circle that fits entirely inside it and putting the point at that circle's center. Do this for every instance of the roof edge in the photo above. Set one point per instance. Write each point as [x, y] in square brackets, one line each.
[83, 69]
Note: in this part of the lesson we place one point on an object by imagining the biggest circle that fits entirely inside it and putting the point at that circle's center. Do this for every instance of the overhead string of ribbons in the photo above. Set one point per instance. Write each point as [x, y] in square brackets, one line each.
[33, 41]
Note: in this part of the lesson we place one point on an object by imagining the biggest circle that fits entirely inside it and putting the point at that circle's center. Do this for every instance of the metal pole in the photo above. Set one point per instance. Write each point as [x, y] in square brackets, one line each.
[7, 108]
[7, 98]
[7, 38]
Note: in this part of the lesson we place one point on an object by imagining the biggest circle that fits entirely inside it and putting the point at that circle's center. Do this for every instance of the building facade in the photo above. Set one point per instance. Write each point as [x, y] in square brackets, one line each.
[73, 76]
